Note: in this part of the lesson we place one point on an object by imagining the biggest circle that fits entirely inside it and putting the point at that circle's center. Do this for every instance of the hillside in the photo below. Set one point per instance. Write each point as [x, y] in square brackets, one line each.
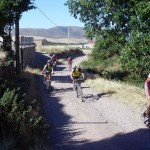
[55, 32]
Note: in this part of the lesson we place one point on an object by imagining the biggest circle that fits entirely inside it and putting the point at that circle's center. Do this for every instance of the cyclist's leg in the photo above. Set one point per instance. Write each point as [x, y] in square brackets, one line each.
[73, 81]
[44, 78]
[146, 115]
[70, 65]
[49, 75]
[148, 110]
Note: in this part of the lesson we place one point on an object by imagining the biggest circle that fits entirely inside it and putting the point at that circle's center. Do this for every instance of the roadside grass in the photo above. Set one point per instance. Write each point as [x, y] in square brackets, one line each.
[62, 52]
[33, 96]
[33, 90]
[31, 132]
[61, 60]
[130, 95]
[54, 48]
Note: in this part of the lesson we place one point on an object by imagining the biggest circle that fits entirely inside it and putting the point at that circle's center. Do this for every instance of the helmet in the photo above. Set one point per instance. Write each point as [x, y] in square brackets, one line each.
[77, 66]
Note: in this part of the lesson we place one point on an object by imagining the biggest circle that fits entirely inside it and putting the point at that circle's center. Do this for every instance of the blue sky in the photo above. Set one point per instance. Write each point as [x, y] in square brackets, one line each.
[55, 10]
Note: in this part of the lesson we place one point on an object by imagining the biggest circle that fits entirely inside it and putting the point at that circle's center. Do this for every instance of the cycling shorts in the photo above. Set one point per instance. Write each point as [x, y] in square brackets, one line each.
[46, 72]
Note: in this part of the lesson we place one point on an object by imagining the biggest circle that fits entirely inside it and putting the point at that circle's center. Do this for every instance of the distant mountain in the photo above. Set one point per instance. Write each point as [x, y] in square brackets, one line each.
[55, 32]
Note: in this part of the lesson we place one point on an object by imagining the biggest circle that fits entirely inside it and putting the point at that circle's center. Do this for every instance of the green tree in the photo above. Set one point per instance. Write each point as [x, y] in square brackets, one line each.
[10, 11]
[136, 55]
[120, 24]
[121, 15]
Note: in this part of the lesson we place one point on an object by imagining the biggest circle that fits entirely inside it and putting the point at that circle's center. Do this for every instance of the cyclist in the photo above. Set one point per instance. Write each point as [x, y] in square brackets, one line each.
[53, 59]
[69, 62]
[48, 70]
[147, 92]
[76, 73]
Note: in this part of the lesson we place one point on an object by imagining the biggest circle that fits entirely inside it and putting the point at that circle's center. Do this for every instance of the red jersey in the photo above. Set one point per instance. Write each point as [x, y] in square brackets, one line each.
[69, 60]
[54, 58]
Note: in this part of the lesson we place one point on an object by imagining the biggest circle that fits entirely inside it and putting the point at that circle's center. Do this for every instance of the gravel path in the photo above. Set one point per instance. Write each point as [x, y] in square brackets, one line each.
[98, 123]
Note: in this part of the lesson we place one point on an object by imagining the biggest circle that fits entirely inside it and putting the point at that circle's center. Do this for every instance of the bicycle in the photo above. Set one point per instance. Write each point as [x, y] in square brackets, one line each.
[78, 88]
[70, 66]
[48, 81]
[144, 115]
[54, 64]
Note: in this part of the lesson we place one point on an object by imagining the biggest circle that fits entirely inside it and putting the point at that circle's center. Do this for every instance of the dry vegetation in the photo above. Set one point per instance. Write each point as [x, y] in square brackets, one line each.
[130, 95]
[33, 92]
[53, 48]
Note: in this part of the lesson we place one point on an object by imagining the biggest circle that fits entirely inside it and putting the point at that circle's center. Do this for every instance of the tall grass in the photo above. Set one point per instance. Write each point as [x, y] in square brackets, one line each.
[33, 92]
[54, 48]
[132, 96]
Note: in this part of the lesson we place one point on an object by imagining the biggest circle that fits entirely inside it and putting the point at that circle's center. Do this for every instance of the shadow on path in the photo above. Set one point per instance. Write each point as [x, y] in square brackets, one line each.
[62, 137]
[137, 140]
[61, 79]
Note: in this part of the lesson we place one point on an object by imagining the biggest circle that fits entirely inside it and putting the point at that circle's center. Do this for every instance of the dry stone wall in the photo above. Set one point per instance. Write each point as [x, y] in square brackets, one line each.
[28, 57]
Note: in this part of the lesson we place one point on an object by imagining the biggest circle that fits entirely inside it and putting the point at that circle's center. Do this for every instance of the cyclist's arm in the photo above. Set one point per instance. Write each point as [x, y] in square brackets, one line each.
[147, 91]
[71, 75]
[83, 75]
[44, 68]
[52, 70]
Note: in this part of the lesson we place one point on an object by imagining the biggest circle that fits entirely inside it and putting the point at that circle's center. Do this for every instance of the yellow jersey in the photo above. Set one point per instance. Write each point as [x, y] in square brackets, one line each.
[76, 72]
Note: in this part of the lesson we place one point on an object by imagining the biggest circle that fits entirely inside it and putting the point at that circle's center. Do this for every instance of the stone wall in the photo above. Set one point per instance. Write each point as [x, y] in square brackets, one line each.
[28, 57]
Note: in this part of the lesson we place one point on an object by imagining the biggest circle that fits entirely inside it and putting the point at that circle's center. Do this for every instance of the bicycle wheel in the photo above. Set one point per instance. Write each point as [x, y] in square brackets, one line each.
[76, 88]
[144, 115]
[80, 93]
[77, 92]
[48, 85]
[70, 67]
[54, 67]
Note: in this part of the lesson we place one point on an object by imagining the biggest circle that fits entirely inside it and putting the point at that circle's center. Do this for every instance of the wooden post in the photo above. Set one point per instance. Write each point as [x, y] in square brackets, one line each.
[17, 45]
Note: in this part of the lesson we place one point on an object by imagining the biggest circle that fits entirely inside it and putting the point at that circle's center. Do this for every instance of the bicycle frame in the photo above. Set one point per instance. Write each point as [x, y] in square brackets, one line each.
[70, 66]
[78, 88]
[48, 81]
[54, 64]
[69, 63]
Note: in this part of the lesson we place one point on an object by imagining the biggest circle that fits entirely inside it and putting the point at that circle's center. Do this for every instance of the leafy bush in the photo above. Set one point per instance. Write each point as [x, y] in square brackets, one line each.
[135, 57]
[106, 47]
[19, 122]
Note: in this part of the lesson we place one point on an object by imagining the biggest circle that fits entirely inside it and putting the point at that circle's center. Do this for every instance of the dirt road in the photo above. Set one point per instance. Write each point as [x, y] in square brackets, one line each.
[98, 123]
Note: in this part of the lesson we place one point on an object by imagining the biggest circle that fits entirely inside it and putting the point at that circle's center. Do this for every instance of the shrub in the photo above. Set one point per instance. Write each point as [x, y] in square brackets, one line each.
[106, 47]
[135, 57]
[19, 120]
